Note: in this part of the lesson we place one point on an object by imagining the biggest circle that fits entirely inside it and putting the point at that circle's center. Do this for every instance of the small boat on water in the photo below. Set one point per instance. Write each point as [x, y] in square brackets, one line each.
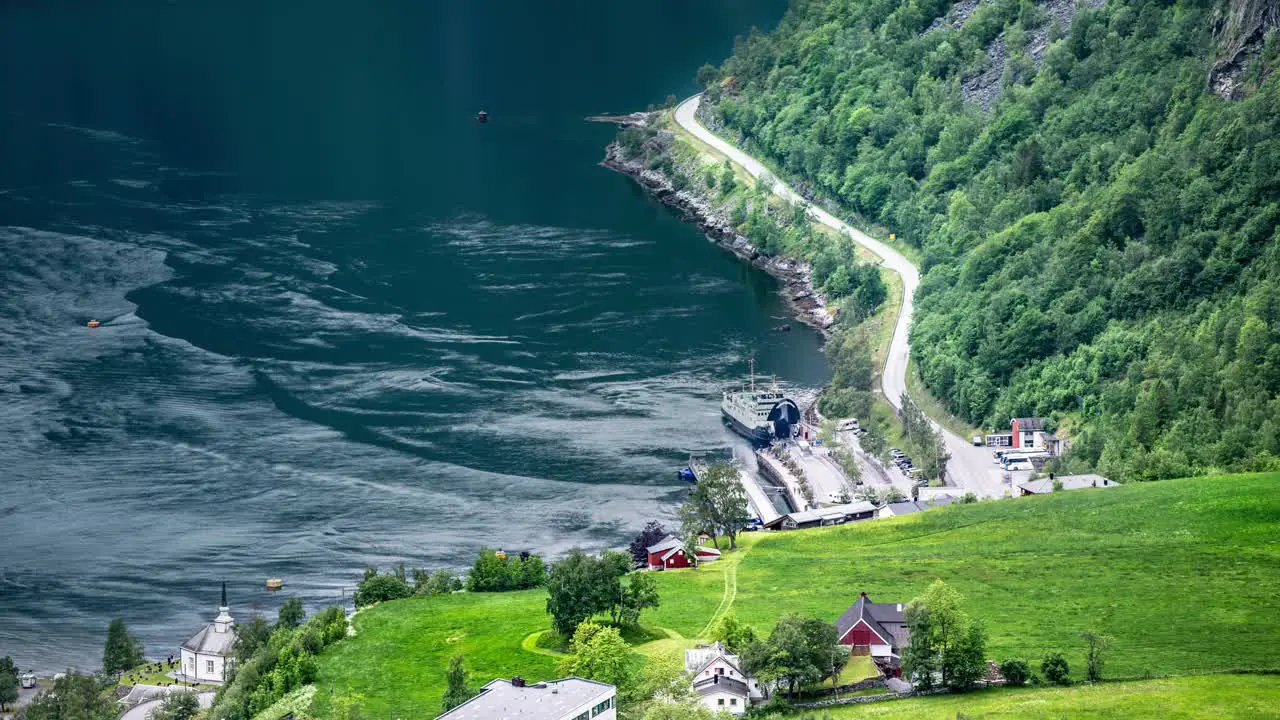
[275, 584]
[482, 117]
[761, 416]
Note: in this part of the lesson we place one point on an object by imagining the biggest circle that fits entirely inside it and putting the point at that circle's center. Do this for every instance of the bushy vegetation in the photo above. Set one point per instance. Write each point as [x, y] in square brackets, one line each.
[495, 571]
[581, 586]
[1100, 247]
[73, 697]
[283, 662]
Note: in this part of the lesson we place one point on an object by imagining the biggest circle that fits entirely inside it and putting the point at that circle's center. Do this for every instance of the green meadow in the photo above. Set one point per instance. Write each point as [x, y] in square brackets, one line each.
[1203, 697]
[1184, 574]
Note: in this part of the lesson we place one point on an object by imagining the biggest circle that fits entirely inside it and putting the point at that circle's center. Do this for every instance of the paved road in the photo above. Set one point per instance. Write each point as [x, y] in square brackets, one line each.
[970, 467]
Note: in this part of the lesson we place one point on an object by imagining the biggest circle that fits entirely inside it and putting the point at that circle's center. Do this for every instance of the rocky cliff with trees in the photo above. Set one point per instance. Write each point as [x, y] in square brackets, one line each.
[1098, 242]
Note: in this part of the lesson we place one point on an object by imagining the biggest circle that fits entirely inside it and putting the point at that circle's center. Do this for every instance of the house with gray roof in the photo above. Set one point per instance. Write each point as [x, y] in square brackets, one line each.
[875, 629]
[820, 517]
[571, 698]
[719, 680]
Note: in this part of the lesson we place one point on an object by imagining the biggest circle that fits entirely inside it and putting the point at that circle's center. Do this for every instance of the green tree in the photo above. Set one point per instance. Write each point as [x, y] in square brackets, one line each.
[727, 180]
[945, 642]
[376, 588]
[346, 706]
[180, 705]
[1016, 672]
[718, 505]
[291, 613]
[735, 635]
[438, 582]
[799, 651]
[1055, 669]
[8, 682]
[456, 689]
[72, 697]
[250, 636]
[599, 653]
[707, 75]
[1098, 644]
[639, 594]
[578, 587]
[122, 650]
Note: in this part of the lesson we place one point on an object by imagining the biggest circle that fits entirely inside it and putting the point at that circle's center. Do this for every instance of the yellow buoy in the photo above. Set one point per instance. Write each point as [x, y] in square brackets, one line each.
[275, 584]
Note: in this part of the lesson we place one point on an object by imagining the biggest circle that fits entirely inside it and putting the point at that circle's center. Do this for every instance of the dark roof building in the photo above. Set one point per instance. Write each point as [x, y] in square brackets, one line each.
[878, 628]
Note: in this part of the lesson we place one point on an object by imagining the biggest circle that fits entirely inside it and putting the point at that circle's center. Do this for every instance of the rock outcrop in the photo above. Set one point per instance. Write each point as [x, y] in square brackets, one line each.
[1240, 28]
[805, 302]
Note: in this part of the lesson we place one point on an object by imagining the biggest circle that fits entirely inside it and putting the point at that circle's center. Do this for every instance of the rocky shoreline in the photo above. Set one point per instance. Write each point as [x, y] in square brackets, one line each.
[804, 301]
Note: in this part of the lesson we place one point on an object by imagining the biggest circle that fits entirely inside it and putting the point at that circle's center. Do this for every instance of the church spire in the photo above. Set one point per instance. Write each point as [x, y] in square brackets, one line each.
[223, 622]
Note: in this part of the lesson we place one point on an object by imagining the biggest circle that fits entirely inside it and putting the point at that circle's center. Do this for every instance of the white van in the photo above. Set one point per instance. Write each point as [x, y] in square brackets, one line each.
[1018, 464]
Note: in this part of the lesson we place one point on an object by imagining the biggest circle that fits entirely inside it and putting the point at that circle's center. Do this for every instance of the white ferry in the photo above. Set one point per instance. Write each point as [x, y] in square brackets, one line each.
[761, 416]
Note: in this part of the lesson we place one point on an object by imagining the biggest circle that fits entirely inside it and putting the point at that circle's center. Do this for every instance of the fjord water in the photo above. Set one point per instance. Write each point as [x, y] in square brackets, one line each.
[343, 324]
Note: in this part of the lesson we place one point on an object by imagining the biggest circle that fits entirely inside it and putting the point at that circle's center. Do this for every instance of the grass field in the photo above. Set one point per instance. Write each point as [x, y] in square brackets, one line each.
[1184, 574]
[1206, 697]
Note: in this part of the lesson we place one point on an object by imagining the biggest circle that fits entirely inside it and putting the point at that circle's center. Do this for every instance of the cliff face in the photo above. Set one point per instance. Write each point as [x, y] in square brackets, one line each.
[1241, 28]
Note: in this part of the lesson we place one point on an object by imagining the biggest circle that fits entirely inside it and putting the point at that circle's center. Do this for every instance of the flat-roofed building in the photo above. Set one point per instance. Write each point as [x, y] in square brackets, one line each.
[572, 698]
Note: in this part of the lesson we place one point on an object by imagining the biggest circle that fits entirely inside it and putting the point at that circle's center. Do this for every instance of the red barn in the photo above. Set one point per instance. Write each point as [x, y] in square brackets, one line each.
[669, 554]
[875, 629]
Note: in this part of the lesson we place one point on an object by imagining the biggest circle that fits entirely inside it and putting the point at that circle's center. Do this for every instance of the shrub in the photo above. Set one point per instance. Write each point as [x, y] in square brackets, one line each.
[1056, 670]
[377, 588]
[495, 571]
[1016, 672]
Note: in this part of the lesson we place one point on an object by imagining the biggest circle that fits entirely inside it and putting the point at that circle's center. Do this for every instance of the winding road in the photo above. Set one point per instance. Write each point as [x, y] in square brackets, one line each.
[970, 467]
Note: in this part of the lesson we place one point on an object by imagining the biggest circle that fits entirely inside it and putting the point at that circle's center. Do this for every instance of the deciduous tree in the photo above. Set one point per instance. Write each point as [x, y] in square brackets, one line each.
[72, 697]
[946, 645]
[652, 533]
[717, 505]
[599, 653]
[178, 706]
[1098, 644]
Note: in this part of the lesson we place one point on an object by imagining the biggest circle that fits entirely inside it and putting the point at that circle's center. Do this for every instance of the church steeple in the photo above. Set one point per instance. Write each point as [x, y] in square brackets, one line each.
[223, 622]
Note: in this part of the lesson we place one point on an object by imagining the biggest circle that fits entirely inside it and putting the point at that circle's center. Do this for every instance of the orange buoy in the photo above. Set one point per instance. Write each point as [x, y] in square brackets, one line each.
[94, 323]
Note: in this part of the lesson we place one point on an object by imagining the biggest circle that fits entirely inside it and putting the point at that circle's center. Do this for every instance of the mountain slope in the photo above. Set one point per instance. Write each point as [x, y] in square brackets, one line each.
[1099, 247]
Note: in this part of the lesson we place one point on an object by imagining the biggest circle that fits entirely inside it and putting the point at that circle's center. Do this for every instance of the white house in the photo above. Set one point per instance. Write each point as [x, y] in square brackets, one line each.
[572, 698]
[206, 654]
[719, 681]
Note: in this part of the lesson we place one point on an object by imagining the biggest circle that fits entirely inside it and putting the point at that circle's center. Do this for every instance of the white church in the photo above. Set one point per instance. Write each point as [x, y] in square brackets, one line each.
[206, 655]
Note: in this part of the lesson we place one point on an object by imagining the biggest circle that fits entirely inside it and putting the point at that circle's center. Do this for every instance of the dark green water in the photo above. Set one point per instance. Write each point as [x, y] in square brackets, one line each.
[343, 324]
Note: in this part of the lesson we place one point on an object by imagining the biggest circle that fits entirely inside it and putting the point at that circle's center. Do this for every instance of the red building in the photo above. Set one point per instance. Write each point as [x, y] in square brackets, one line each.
[875, 629]
[669, 554]
[1024, 431]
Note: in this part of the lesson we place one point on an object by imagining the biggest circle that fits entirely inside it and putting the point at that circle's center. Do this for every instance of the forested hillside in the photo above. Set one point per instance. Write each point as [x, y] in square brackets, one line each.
[1099, 244]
